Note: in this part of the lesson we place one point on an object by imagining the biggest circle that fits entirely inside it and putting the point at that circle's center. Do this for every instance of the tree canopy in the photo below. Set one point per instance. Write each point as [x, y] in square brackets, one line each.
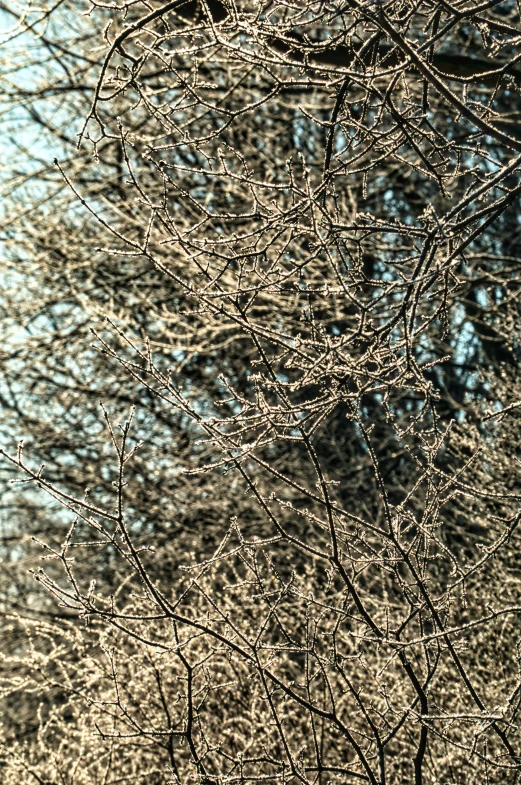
[261, 316]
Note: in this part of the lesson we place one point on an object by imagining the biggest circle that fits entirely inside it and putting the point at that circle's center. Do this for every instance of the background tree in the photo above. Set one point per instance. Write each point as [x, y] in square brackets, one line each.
[296, 560]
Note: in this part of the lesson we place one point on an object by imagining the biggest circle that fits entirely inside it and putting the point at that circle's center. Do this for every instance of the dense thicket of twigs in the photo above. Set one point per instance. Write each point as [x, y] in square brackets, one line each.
[280, 244]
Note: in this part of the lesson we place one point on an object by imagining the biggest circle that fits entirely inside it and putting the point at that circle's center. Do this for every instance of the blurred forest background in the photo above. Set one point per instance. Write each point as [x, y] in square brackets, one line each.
[260, 405]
